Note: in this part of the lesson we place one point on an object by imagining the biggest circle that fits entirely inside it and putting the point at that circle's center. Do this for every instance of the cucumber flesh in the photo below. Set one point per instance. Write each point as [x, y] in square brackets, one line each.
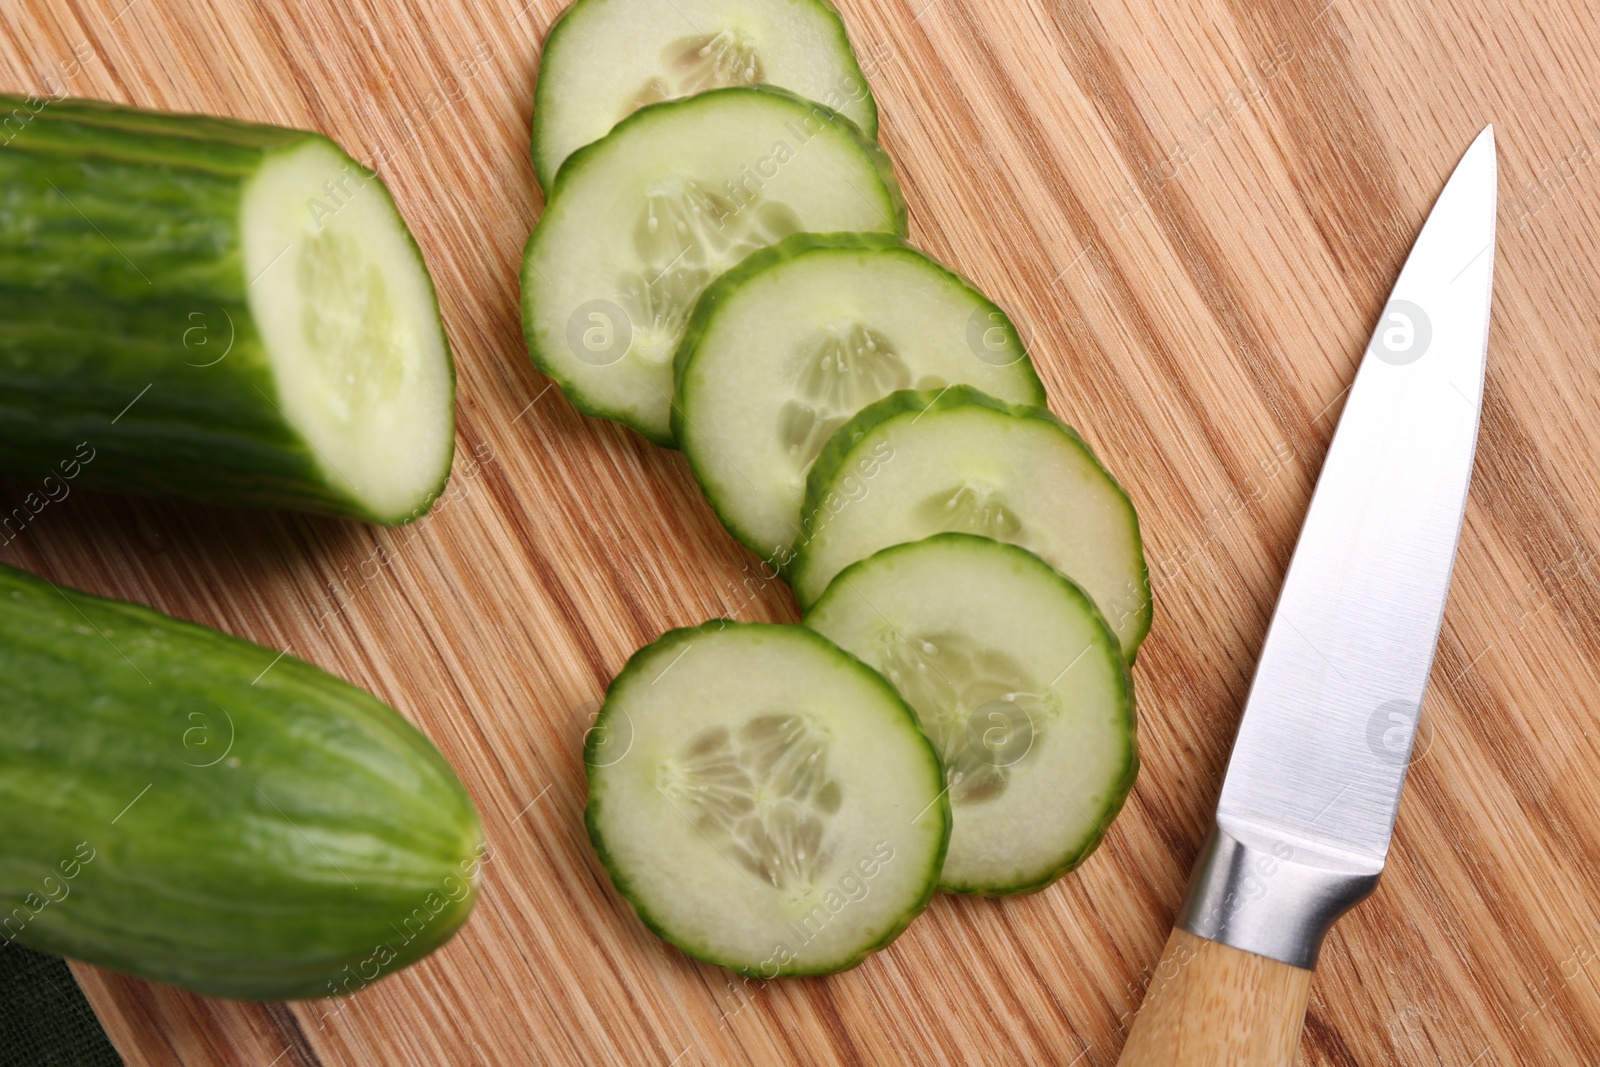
[916, 464]
[604, 59]
[220, 310]
[351, 330]
[1020, 685]
[764, 800]
[791, 343]
[643, 220]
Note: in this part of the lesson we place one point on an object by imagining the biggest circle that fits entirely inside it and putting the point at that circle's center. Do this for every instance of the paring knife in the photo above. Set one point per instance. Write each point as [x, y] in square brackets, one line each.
[1308, 805]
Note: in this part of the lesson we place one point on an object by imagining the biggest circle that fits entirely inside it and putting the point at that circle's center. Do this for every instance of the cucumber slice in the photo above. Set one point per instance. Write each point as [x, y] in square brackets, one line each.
[604, 59]
[219, 310]
[791, 343]
[916, 464]
[643, 220]
[764, 800]
[1021, 687]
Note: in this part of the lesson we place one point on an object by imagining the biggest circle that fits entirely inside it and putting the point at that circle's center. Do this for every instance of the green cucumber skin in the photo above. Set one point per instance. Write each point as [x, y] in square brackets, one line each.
[909, 401]
[231, 879]
[576, 161]
[86, 331]
[795, 247]
[595, 740]
[1119, 792]
[547, 174]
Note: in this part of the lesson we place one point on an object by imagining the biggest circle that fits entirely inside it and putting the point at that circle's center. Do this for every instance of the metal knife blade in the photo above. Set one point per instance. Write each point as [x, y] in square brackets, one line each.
[1322, 751]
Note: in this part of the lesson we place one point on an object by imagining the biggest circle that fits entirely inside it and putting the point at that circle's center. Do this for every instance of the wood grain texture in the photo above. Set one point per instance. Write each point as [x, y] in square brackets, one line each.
[1196, 210]
[1215, 1006]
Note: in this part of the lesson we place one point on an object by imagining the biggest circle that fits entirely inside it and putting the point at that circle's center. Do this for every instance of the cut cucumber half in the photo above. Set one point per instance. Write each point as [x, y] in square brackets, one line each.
[764, 800]
[916, 464]
[640, 222]
[604, 59]
[1019, 684]
[219, 310]
[788, 345]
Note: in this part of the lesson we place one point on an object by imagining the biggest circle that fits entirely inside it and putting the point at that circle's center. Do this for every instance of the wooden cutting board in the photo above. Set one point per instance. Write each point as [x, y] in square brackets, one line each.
[1196, 211]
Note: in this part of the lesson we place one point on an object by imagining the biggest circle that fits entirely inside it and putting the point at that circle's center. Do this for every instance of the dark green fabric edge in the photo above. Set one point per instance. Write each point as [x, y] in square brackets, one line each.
[45, 1021]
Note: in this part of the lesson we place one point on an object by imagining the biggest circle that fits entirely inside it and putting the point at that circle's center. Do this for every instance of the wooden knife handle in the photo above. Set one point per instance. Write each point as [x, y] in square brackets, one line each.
[1210, 1005]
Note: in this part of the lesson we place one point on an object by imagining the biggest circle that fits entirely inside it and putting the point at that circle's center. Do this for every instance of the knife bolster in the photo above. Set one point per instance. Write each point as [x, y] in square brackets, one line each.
[1263, 894]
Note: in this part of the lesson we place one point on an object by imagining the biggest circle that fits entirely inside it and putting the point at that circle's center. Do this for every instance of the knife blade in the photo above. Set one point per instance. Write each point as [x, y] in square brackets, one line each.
[1322, 750]
[1359, 616]
[1313, 786]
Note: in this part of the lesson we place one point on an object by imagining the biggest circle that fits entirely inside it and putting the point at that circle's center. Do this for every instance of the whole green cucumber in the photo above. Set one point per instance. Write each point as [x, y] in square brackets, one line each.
[218, 310]
[195, 809]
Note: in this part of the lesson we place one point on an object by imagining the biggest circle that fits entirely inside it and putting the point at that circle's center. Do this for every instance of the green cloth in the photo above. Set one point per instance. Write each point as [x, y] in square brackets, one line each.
[44, 1019]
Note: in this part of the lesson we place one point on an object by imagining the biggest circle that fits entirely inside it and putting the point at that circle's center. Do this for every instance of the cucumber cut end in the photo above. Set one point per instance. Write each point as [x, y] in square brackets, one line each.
[350, 328]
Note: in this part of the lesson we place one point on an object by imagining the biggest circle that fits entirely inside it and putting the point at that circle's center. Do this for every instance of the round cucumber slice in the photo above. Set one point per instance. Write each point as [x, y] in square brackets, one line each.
[604, 59]
[350, 328]
[788, 345]
[641, 221]
[764, 800]
[1021, 687]
[916, 464]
